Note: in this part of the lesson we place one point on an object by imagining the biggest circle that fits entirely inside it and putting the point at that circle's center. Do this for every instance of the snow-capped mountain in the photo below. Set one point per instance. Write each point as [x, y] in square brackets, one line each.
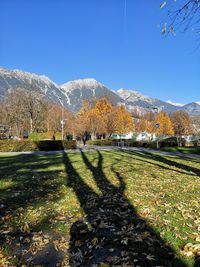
[192, 108]
[72, 93]
[79, 90]
[12, 79]
[136, 99]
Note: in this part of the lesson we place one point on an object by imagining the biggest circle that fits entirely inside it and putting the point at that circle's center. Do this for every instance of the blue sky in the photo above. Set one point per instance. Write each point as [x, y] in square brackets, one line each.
[72, 39]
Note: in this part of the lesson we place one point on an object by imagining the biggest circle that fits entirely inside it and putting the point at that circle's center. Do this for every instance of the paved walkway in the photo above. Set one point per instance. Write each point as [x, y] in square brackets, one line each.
[107, 148]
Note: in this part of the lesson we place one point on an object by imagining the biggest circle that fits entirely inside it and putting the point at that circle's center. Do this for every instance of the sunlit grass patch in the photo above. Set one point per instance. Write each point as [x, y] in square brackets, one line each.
[6, 183]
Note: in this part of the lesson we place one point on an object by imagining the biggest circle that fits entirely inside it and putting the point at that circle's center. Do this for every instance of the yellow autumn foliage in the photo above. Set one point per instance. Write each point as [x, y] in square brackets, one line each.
[123, 121]
[166, 126]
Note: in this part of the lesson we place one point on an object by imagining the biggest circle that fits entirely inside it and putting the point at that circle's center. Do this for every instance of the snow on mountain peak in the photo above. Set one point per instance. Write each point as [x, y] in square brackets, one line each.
[27, 76]
[73, 92]
[131, 95]
[81, 83]
[34, 76]
[175, 104]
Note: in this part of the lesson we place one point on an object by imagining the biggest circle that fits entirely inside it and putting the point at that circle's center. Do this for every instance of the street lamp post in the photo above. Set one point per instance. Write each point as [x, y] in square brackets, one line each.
[62, 120]
[157, 128]
[156, 109]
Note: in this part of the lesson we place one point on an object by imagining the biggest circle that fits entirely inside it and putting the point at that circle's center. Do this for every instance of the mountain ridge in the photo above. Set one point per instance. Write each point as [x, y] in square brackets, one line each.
[72, 93]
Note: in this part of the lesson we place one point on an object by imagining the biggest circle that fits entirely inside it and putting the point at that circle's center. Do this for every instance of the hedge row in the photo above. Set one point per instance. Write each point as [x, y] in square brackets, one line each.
[26, 145]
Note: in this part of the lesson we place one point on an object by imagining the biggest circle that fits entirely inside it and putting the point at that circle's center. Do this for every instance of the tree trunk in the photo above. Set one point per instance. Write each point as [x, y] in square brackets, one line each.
[84, 140]
[17, 130]
[74, 136]
[31, 124]
[179, 141]
[93, 137]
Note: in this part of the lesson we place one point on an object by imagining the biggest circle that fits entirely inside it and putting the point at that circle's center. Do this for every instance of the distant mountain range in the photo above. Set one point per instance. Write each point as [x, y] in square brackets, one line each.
[72, 93]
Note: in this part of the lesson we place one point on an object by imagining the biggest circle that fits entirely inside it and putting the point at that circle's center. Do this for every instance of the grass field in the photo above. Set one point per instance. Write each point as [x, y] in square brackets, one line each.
[44, 136]
[99, 209]
[184, 150]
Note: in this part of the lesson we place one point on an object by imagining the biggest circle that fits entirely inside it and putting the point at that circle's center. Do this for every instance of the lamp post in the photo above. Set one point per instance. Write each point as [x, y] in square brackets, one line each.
[62, 120]
[156, 109]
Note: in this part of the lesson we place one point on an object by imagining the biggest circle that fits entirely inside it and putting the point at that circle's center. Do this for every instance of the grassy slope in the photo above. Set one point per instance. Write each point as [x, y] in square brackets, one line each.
[44, 192]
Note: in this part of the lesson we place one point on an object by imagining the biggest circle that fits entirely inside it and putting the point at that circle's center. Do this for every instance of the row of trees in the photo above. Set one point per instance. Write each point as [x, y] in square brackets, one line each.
[102, 119]
[27, 109]
[177, 123]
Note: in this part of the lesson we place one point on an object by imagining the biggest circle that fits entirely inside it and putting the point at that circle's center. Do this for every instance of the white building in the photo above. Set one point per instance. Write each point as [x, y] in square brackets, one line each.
[144, 136]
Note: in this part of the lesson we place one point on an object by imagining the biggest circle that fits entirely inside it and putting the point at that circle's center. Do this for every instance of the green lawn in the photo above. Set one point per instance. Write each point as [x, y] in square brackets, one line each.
[99, 209]
[184, 150]
[44, 136]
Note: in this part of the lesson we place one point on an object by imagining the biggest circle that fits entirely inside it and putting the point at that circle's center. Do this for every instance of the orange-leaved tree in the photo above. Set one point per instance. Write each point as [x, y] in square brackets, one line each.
[141, 125]
[181, 123]
[123, 121]
[96, 123]
[104, 108]
[165, 124]
[81, 122]
[99, 117]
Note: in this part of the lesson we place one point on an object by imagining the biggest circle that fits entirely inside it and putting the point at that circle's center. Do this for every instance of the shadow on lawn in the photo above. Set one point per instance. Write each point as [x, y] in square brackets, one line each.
[178, 165]
[169, 162]
[112, 232]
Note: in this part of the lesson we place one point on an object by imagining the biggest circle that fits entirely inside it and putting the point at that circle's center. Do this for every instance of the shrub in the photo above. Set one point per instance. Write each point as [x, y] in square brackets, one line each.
[70, 144]
[26, 145]
[171, 141]
[196, 143]
[15, 146]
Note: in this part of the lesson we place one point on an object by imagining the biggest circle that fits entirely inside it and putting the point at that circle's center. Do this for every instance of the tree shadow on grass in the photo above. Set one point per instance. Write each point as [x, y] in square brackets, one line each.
[112, 232]
[169, 162]
[140, 156]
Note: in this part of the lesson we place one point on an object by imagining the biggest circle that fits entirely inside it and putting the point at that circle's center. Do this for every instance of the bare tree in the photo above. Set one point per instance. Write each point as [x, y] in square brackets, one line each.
[24, 108]
[181, 16]
[33, 104]
[195, 121]
[54, 117]
[13, 109]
